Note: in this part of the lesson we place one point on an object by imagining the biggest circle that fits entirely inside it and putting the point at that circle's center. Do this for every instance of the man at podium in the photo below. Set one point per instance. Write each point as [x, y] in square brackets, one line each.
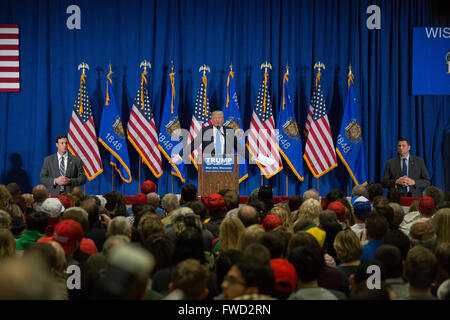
[215, 139]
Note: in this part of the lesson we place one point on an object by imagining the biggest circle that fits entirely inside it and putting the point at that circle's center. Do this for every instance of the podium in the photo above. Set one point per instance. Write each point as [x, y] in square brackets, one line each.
[217, 172]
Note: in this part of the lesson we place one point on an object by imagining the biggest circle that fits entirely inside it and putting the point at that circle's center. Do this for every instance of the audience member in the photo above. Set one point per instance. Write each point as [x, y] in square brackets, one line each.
[394, 195]
[435, 193]
[223, 263]
[36, 224]
[359, 287]
[285, 278]
[248, 279]
[359, 190]
[422, 233]
[282, 213]
[115, 204]
[275, 242]
[442, 281]
[231, 200]
[53, 207]
[148, 186]
[217, 212]
[230, 230]
[191, 277]
[376, 228]
[399, 215]
[426, 211]
[311, 194]
[308, 263]
[7, 244]
[420, 272]
[248, 215]
[265, 194]
[374, 190]
[250, 235]
[188, 193]
[391, 257]
[311, 208]
[361, 210]
[5, 220]
[81, 216]
[441, 224]
[40, 193]
[348, 250]
[295, 202]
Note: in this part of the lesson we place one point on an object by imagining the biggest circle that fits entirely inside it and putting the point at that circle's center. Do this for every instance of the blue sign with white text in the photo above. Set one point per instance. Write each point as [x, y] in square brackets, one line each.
[218, 164]
[431, 61]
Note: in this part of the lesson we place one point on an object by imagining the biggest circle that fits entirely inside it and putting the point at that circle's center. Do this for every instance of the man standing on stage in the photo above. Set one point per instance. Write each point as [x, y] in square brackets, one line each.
[406, 172]
[62, 171]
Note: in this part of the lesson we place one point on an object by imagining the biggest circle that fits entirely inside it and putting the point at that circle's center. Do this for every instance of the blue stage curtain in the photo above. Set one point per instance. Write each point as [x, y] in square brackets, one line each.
[217, 32]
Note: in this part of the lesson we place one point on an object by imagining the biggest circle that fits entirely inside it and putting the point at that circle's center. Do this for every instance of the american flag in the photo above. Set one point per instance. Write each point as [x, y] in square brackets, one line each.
[82, 136]
[9, 58]
[200, 118]
[142, 131]
[320, 154]
[261, 138]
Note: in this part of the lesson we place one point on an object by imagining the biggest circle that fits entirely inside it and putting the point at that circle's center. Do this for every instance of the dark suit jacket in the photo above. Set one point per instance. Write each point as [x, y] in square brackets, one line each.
[50, 171]
[417, 171]
[206, 139]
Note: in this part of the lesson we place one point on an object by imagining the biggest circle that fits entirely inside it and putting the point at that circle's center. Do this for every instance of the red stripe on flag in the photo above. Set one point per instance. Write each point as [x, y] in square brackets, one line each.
[9, 35]
[9, 69]
[9, 58]
[9, 80]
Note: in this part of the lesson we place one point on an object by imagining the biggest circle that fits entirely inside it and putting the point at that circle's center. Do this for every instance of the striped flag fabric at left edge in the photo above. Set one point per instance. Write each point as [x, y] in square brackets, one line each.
[82, 136]
[9, 58]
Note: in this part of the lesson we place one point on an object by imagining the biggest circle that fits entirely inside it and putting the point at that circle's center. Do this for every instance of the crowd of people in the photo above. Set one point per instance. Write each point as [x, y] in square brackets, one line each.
[77, 246]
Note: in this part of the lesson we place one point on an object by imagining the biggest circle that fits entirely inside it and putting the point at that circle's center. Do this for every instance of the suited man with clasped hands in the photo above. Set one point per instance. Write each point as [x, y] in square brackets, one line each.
[406, 172]
[62, 171]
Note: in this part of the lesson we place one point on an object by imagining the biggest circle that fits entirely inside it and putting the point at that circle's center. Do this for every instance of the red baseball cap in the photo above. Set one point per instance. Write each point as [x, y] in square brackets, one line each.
[339, 208]
[66, 202]
[271, 221]
[426, 205]
[215, 202]
[140, 198]
[285, 275]
[148, 186]
[67, 233]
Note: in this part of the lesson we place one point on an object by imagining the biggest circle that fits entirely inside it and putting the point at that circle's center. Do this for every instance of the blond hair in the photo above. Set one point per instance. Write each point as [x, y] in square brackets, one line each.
[441, 223]
[347, 245]
[311, 208]
[229, 232]
[250, 235]
[282, 213]
[7, 244]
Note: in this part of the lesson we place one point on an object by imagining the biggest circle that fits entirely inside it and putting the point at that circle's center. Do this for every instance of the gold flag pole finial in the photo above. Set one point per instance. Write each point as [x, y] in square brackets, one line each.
[287, 68]
[265, 65]
[350, 74]
[83, 65]
[145, 64]
[171, 65]
[318, 65]
[205, 68]
[231, 66]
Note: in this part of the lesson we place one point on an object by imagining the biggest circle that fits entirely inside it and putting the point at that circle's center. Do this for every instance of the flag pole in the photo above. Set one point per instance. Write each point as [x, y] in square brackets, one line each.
[139, 182]
[318, 189]
[112, 178]
[287, 184]
[171, 177]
